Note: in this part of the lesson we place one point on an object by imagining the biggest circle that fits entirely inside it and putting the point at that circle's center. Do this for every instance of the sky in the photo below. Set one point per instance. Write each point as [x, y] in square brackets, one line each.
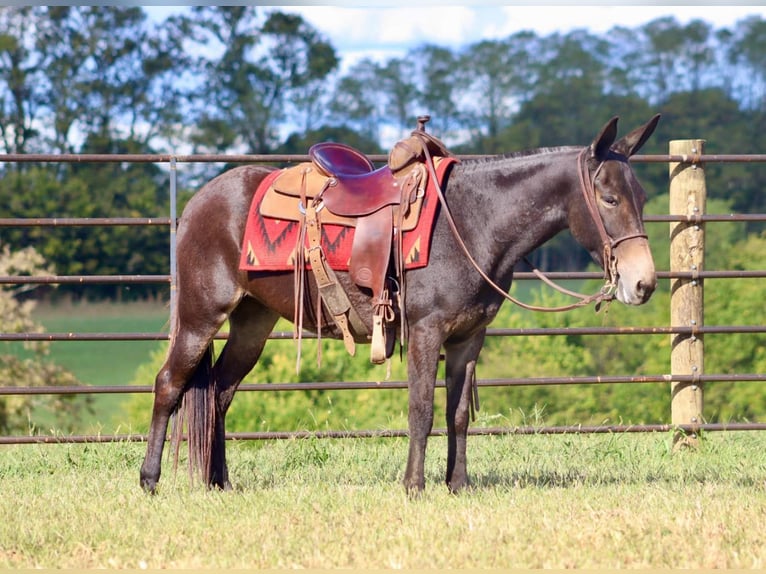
[384, 31]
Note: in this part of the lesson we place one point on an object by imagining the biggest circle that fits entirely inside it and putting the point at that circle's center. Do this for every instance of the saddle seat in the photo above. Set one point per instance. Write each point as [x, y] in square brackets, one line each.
[337, 159]
[355, 188]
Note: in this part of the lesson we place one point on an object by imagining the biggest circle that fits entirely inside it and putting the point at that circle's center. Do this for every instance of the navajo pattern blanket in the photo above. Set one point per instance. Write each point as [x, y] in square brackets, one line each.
[270, 244]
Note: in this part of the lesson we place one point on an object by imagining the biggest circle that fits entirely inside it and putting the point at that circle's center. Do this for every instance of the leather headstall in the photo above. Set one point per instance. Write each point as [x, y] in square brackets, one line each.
[588, 187]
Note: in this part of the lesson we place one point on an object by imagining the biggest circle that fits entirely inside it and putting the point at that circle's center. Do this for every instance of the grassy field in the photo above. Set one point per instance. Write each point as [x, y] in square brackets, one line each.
[102, 363]
[598, 501]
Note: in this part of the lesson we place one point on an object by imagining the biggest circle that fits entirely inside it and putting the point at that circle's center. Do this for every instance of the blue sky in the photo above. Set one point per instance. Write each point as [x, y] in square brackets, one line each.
[384, 31]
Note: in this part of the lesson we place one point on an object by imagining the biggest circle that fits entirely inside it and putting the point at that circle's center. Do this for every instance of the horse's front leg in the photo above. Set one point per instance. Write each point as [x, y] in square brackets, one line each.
[422, 361]
[461, 363]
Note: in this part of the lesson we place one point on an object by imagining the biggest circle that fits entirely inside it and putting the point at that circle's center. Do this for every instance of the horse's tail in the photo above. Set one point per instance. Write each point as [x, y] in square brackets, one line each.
[196, 412]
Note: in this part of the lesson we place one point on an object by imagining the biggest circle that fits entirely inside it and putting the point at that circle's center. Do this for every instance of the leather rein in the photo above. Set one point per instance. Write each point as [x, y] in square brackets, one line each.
[587, 186]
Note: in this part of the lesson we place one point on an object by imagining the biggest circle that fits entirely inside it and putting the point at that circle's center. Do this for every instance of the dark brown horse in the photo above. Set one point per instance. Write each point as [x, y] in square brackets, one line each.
[503, 208]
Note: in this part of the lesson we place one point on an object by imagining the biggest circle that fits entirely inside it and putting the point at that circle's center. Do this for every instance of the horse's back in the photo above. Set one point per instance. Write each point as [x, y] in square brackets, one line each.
[211, 228]
[225, 198]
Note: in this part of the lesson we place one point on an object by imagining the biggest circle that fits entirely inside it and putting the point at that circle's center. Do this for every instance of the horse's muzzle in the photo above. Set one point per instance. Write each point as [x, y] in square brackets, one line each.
[636, 276]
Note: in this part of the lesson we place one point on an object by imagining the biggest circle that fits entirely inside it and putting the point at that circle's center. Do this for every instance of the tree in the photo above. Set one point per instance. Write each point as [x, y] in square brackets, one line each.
[20, 96]
[356, 101]
[747, 54]
[101, 66]
[490, 90]
[260, 69]
[304, 60]
[400, 93]
[299, 143]
[438, 77]
[75, 70]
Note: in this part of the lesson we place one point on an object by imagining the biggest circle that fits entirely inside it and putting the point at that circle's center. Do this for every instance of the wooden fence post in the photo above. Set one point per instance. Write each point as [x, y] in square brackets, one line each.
[687, 251]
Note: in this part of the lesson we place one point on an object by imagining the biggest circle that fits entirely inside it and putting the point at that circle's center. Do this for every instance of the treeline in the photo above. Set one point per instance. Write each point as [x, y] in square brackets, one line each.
[98, 79]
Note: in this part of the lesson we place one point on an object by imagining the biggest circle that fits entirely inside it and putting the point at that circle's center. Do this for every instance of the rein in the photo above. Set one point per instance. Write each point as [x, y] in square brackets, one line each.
[605, 294]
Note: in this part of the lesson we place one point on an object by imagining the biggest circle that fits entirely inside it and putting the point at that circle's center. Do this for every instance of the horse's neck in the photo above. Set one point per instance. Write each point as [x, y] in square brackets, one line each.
[515, 204]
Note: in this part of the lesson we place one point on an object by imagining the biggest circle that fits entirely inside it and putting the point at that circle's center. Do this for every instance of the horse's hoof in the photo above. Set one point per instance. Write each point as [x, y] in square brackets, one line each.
[456, 487]
[414, 491]
[223, 487]
[457, 481]
[149, 485]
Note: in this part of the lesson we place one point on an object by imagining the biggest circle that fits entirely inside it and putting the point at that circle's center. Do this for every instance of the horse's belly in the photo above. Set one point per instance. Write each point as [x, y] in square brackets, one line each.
[277, 291]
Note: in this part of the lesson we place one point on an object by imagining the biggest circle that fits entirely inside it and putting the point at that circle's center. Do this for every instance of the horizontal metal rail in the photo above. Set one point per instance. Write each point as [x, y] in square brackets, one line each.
[82, 279]
[392, 385]
[163, 221]
[292, 158]
[401, 433]
[519, 276]
[491, 332]
[81, 221]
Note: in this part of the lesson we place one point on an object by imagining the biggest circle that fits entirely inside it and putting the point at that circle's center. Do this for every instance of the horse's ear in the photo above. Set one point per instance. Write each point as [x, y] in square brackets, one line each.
[604, 140]
[632, 142]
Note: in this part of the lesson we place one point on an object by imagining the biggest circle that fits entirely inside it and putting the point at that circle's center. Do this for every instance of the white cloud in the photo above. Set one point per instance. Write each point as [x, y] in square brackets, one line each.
[549, 19]
[397, 25]
[382, 32]
[447, 25]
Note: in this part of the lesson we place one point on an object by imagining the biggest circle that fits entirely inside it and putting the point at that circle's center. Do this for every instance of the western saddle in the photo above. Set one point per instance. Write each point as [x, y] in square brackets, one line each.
[341, 186]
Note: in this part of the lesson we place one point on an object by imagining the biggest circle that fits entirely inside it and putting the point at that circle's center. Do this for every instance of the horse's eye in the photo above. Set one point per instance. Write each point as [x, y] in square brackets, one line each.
[610, 200]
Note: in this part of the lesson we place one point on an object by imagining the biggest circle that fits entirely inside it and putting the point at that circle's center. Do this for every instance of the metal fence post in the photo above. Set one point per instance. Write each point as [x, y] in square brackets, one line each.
[173, 225]
[687, 246]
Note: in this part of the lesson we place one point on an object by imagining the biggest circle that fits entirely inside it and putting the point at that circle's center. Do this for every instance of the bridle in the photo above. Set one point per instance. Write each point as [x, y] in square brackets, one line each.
[587, 186]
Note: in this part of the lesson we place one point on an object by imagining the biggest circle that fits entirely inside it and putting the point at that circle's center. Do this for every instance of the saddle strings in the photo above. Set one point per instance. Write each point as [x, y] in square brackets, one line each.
[299, 277]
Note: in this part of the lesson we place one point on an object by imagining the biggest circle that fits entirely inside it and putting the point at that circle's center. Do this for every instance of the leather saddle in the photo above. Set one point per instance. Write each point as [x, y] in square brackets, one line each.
[341, 186]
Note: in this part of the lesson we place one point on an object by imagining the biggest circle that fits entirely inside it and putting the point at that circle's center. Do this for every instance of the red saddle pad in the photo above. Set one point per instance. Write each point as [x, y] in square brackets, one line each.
[270, 244]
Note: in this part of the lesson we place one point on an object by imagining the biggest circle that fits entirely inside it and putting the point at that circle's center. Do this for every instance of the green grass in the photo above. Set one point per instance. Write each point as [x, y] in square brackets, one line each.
[102, 363]
[591, 501]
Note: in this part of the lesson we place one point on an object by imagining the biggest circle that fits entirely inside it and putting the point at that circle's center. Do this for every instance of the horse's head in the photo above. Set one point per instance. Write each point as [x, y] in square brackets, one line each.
[611, 227]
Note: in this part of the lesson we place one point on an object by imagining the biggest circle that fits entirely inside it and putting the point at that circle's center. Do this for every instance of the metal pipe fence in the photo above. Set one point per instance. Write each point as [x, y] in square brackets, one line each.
[694, 331]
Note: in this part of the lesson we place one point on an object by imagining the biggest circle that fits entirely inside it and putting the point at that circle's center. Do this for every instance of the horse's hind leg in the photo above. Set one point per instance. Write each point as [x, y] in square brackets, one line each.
[187, 348]
[461, 361]
[200, 313]
[250, 324]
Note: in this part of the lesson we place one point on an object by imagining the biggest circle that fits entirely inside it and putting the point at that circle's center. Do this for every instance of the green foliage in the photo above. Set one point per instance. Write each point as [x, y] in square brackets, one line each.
[298, 143]
[320, 409]
[300, 410]
[575, 356]
[737, 302]
[93, 190]
[23, 414]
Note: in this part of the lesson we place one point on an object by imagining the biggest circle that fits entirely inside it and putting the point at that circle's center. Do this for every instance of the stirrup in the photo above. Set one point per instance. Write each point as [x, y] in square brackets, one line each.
[378, 345]
[382, 342]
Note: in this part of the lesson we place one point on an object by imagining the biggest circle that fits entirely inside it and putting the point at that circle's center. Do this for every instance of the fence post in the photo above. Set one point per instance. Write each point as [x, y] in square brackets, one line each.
[687, 243]
[173, 229]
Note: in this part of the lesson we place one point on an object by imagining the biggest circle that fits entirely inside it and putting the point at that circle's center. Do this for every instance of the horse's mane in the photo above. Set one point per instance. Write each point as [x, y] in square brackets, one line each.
[480, 161]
